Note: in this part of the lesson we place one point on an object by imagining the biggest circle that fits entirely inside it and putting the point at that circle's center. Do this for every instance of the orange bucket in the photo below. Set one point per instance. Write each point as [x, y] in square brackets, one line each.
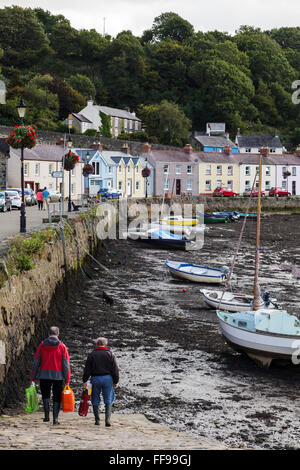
[67, 399]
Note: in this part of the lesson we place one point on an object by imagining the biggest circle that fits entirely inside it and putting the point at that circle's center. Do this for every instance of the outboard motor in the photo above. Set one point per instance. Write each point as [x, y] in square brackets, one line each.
[267, 300]
[225, 270]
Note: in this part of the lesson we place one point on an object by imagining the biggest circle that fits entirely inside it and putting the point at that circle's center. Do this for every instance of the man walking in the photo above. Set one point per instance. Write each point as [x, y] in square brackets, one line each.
[46, 196]
[52, 365]
[102, 367]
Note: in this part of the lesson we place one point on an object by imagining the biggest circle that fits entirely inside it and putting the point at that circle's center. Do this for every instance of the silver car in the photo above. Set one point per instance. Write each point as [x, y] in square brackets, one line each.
[55, 195]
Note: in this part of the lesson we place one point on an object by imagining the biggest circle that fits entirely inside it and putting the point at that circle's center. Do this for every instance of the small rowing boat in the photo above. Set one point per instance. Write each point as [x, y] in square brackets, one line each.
[196, 273]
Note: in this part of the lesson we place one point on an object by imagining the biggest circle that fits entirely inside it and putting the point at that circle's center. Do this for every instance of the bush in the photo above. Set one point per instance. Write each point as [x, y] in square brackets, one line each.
[24, 262]
[91, 132]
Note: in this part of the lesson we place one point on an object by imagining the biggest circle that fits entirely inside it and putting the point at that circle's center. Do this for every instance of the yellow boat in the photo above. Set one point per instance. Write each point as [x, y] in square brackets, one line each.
[178, 220]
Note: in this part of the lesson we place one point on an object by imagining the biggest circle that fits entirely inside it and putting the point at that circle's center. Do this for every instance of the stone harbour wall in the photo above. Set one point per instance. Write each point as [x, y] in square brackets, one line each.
[29, 302]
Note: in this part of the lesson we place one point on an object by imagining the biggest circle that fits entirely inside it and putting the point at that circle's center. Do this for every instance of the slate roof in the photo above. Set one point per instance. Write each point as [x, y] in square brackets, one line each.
[121, 113]
[213, 141]
[254, 140]
[81, 118]
[42, 152]
[167, 156]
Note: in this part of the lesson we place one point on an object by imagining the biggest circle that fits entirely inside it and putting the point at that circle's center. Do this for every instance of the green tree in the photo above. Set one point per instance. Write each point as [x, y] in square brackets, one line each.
[83, 85]
[167, 122]
[105, 124]
[170, 25]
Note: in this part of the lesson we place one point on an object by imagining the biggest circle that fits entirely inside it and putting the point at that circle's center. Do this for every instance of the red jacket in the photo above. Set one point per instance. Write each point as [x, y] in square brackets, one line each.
[51, 361]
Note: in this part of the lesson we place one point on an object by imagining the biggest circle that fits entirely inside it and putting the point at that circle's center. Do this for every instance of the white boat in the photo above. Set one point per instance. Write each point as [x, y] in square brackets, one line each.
[195, 273]
[160, 238]
[263, 333]
[233, 301]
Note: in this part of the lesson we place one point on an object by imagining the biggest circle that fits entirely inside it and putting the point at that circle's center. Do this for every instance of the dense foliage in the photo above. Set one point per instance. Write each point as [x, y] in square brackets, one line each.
[172, 74]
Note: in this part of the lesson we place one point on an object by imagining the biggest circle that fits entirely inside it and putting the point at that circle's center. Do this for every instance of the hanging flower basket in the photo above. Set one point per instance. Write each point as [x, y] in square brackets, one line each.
[87, 169]
[286, 174]
[22, 137]
[71, 159]
[146, 172]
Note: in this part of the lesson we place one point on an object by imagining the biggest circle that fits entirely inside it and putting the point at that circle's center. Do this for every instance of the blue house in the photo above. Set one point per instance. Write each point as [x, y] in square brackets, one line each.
[212, 143]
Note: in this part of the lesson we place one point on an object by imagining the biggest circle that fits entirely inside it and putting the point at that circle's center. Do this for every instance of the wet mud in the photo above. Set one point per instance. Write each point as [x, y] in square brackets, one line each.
[175, 366]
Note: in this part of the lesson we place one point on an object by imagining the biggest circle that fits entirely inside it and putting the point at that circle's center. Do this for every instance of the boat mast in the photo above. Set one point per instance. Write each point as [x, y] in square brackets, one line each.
[256, 302]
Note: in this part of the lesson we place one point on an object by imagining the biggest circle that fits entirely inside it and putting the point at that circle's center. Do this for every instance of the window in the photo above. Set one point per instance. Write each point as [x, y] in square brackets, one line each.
[257, 170]
[73, 188]
[208, 170]
[26, 169]
[120, 168]
[268, 171]
[37, 169]
[136, 125]
[189, 169]
[120, 185]
[130, 124]
[248, 150]
[247, 171]
[50, 168]
[166, 168]
[284, 184]
[230, 170]
[272, 150]
[137, 169]
[109, 169]
[166, 184]
[267, 185]
[189, 185]
[137, 185]
[283, 169]
[50, 185]
[178, 169]
[247, 185]
[128, 169]
[116, 122]
[229, 184]
[207, 185]
[219, 169]
[294, 171]
[97, 171]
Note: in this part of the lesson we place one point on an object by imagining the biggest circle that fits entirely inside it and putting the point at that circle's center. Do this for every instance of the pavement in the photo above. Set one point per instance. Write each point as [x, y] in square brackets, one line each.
[128, 432]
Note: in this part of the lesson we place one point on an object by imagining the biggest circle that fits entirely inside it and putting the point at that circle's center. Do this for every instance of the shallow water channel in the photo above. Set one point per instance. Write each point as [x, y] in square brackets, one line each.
[175, 366]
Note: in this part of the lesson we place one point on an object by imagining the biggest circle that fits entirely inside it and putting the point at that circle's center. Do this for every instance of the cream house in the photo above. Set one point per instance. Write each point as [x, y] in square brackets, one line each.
[39, 163]
[217, 170]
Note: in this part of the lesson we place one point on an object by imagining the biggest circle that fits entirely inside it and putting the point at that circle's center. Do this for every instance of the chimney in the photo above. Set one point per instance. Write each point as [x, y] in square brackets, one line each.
[297, 151]
[264, 151]
[238, 132]
[125, 148]
[188, 149]
[90, 102]
[227, 150]
[97, 146]
[146, 148]
[60, 141]
[127, 109]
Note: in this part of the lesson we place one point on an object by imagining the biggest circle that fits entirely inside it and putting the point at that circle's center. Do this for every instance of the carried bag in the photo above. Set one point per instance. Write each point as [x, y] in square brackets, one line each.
[32, 399]
[67, 399]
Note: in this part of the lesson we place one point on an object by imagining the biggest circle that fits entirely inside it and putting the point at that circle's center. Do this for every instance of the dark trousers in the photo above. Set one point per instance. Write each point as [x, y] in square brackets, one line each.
[57, 387]
[40, 205]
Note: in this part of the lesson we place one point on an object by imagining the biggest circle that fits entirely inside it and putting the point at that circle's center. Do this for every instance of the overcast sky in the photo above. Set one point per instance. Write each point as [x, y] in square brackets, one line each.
[138, 15]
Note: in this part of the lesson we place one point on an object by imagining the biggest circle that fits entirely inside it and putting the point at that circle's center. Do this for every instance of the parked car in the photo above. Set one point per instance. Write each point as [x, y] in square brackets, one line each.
[247, 192]
[55, 195]
[224, 192]
[28, 194]
[109, 193]
[279, 192]
[5, 202]
[15, 198]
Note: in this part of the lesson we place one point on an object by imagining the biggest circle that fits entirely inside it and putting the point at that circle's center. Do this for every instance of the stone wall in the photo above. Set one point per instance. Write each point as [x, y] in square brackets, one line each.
[31, 301]
[84, 141]
[2, 171]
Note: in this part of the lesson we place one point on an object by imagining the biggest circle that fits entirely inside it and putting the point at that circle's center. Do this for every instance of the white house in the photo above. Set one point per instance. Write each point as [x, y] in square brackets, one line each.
[39, 163]
[252, 143]
[249, 166]
[121, 119]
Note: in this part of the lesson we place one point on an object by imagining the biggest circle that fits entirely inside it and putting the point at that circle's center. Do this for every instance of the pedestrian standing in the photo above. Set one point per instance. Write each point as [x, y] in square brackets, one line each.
[39, 196]
[102, 368]
[52, 366]
[46, 196]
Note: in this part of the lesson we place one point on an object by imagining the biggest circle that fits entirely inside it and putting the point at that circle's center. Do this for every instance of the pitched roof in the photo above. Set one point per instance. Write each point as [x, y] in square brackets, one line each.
[254, 140]
[121, 113]
[167, 156]
[213, 141]
[81, 118]
[285, 160]
[236, 158]
[42, 152]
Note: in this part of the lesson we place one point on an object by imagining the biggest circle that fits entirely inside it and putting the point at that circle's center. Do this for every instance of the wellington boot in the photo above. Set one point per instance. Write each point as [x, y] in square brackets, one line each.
[56, 408]
[46, 405]
[107, 415]
[96, 414]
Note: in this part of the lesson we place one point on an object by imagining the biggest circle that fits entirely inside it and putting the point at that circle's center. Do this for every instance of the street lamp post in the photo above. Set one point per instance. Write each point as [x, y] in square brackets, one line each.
[87, 161]
[70, 172]
[21, 111]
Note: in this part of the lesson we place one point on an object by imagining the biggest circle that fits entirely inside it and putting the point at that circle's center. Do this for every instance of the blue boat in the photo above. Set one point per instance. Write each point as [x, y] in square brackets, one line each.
[161, 238]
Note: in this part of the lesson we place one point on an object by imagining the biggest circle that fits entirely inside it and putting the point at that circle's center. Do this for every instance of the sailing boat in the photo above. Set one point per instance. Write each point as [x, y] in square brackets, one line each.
[263, 333]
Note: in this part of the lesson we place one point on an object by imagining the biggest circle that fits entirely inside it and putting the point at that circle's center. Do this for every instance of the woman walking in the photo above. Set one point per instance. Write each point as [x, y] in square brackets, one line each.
[39, 196]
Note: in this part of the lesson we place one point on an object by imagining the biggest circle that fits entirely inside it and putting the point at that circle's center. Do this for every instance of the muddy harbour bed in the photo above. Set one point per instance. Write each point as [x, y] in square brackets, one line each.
[175, 366]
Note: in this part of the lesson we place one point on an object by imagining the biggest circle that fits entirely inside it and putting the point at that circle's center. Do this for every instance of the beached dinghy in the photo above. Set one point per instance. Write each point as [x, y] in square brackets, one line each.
[234, 301]
[160, 238]
[178, 220]
[196, 273]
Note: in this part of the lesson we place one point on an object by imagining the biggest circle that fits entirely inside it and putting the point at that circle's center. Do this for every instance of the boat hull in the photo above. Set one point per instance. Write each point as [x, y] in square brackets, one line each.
[178, 273]
[261, 347]
[227, 303]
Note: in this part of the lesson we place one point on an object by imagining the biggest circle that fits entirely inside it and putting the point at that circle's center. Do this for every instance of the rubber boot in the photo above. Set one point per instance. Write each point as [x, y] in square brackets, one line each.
[107, 415]
[46, 404]
[56, 408]
[96, 414]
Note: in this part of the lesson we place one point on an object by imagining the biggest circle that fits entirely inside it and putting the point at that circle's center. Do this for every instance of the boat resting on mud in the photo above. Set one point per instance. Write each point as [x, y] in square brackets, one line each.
[196, 273]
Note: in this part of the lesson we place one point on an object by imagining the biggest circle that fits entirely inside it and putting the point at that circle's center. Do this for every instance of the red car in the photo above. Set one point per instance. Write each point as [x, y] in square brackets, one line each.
[254, 193]
[279, 192]
[224, 192]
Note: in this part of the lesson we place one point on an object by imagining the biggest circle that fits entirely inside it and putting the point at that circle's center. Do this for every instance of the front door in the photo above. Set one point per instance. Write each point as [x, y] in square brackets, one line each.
[129, 187]
[294, 188]
[178, 187]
